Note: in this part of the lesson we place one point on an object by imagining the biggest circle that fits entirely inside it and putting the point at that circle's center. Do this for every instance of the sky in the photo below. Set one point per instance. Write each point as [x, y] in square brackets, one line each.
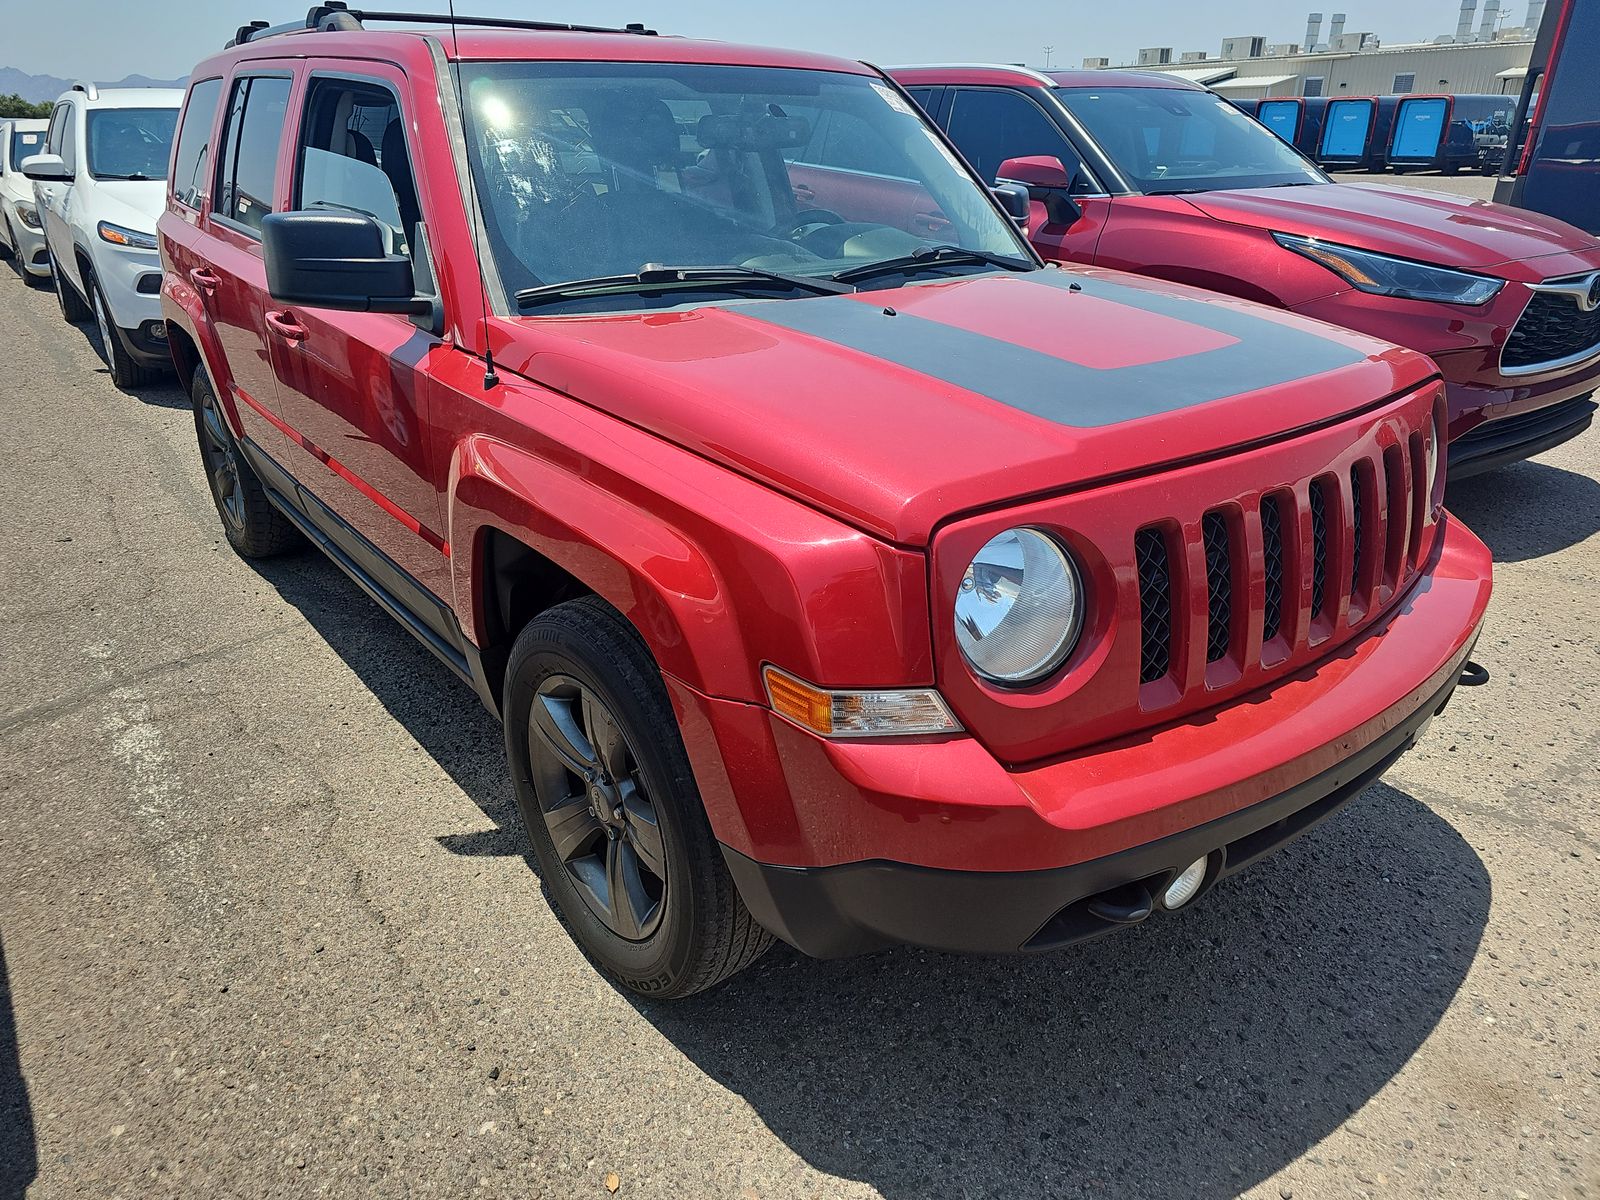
[109, 39]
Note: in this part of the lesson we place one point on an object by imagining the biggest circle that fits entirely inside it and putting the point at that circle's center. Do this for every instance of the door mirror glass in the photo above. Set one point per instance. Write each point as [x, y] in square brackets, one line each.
[1013, 198]
[337, 260]
[46, 168]
[1042, 171]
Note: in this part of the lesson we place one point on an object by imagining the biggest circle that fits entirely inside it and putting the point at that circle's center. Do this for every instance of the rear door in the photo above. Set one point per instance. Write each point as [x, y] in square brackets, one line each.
[1282, 117]
[991, 125]
[349, 384]
[1418, 129]
[231, 277]
[1345, 131]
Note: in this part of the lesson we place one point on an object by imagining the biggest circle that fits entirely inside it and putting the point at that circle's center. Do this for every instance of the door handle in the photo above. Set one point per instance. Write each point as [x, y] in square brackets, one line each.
[802, 193]
[204, 281]
[286, 327]
[931, 222]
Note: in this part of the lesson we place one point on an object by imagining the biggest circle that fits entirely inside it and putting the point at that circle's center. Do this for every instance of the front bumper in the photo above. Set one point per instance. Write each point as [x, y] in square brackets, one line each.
[842, 847]
[30, 247]
[856, 908]
[1495, 443]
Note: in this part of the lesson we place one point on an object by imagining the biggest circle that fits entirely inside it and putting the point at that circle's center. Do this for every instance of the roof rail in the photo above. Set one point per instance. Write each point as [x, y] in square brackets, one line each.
[87, 88]
[334, 16]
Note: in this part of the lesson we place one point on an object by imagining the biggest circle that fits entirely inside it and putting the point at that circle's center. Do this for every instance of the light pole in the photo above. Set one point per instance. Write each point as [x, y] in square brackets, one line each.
[1047, 52]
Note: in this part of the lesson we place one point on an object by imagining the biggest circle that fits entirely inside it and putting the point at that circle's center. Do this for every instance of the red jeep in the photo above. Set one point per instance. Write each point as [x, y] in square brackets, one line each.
[839, 571]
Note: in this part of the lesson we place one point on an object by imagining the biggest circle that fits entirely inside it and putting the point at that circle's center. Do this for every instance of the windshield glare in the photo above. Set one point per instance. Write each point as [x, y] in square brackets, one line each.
[588, 170]
[1164, 140]
[130, 143]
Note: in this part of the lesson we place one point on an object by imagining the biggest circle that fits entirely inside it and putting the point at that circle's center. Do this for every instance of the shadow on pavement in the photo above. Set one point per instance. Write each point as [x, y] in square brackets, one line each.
[1195, 1055]
[1527, 510]
[19, 1153]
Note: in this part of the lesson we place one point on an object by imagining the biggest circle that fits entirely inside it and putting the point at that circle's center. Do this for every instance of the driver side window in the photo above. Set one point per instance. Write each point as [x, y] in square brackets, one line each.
[353, 157]
[991, 125]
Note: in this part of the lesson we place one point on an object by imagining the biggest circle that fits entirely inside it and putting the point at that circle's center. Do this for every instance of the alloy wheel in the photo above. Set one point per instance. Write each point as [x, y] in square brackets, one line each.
[596, 807]
[222, 464]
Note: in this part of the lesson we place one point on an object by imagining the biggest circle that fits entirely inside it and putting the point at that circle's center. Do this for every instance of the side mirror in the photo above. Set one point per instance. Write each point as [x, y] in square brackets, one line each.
[46, 168]
[1013, 197]
[336, 260]
[1046, 179]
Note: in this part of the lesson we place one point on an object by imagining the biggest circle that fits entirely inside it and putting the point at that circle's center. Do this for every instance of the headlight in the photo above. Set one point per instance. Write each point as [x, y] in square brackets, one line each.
[28, 215]
[1020, 607]
[1382, 275]
[121, 235]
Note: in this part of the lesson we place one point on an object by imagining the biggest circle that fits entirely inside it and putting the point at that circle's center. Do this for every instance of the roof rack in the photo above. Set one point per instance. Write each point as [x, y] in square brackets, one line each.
[334, 16]
[88, 89]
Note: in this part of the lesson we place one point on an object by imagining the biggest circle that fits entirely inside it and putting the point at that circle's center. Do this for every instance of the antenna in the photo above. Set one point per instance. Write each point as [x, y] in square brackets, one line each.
[490, 376]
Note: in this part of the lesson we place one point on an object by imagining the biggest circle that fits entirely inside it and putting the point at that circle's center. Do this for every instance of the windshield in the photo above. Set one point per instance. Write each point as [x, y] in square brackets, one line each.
[130, 143]
[1164, 141]
[25, 143]
[595, 170]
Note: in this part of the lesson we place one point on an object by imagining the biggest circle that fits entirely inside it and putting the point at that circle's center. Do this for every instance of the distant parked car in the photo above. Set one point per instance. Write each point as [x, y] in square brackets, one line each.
[100, 185]
[1149, 173]
[21, 234]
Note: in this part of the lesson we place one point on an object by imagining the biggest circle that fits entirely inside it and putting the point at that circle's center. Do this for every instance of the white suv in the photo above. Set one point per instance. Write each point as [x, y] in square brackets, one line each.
[21, 234]
[100, 185]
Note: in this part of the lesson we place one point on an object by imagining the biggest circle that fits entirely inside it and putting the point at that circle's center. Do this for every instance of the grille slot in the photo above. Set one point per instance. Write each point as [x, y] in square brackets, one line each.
[1219, 586]
[1396, 491]
[1155, 604]
[1319, 547]
[1551, 328]
[1272, 555]
[1357, 527]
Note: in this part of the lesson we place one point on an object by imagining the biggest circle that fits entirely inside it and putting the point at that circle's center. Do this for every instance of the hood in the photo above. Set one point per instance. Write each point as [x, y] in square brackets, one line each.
[1434, 227]
[896, 410]
[136, 203]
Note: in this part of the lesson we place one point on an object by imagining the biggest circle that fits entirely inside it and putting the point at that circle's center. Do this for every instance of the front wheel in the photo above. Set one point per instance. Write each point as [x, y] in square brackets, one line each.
[73, 310]
[125, 372]
[610, 803]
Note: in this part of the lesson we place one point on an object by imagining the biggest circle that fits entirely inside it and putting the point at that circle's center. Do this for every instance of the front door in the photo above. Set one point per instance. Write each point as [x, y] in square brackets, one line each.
[349, 384]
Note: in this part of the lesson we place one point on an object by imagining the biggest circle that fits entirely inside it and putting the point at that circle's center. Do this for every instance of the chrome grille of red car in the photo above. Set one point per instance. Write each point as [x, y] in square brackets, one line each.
[1553, 329]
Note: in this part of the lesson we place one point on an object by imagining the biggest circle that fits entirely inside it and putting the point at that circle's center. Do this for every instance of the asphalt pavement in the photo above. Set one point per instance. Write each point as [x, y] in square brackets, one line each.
[267, 927]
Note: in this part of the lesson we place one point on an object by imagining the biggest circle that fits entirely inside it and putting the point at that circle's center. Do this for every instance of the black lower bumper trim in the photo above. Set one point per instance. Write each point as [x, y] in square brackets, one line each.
[856, 908]
[1499, 443]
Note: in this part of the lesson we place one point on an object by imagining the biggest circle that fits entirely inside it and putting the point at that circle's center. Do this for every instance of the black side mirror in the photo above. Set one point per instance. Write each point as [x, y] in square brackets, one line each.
[337, 260]
[1013, 197]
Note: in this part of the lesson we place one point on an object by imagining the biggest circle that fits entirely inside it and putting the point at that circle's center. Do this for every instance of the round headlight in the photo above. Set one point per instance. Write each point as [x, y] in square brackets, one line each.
[1020, 607]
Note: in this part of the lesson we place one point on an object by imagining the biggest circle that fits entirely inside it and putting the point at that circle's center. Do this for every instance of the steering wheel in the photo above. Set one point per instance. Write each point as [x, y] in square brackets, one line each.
[791, 227]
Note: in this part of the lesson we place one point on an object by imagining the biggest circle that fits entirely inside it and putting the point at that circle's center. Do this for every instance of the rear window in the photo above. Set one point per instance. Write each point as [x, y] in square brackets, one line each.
[130, 143]
[190, 175]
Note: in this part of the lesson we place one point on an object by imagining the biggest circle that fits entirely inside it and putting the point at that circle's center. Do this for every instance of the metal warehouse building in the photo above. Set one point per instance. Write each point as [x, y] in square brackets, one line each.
[1489, 59]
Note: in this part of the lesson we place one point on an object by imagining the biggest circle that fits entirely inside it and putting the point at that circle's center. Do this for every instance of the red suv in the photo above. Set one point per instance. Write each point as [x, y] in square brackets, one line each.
[839, 571]
[1150, 173]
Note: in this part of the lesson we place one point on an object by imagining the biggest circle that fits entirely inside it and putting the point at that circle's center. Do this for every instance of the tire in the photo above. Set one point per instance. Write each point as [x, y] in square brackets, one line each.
[686, 929]
[8, 246]
[125, 372]
[251, 523]
[73, 310]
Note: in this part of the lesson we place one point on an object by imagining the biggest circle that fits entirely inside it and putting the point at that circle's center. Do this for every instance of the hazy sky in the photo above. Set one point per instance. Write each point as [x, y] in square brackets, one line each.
[107, 39]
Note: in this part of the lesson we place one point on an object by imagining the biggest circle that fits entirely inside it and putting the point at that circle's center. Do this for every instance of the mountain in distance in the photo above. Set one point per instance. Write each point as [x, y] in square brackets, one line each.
[35, 88]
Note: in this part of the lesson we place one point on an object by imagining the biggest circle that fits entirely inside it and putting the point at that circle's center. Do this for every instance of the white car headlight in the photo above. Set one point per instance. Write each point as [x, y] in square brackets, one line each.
[1383, 275]
[28, 215]
[121, 235]
[1020, 607]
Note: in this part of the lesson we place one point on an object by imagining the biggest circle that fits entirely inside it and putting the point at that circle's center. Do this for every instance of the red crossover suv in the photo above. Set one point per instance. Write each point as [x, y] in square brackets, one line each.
[839, 571]
[1149, 173]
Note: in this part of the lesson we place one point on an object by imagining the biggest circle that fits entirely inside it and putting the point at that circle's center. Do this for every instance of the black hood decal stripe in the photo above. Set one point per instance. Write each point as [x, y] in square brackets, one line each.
[1265, 354]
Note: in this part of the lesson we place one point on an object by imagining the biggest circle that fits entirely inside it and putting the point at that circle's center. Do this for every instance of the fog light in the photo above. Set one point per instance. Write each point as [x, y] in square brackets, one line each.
[1186, 886]
[157, 331]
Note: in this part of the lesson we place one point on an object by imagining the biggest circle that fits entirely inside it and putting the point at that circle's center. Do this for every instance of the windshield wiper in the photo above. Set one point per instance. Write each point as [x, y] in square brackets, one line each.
[652, 276]
[137, 176]
[931, 256]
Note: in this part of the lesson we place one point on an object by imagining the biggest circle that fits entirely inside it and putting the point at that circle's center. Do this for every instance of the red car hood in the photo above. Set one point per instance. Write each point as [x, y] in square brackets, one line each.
[964, 394]
[1433, 227]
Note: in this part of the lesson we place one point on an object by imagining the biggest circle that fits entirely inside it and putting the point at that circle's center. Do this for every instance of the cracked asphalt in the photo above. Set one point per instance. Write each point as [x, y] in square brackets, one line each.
[266, 926]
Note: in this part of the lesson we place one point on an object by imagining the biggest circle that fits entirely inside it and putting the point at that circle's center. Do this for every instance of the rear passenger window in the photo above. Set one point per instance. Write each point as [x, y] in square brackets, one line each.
[256, 116]
[190, 174]
[353, 157]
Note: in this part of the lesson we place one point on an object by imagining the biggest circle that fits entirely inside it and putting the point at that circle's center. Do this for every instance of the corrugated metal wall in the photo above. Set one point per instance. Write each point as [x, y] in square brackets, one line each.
[1469, 68]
